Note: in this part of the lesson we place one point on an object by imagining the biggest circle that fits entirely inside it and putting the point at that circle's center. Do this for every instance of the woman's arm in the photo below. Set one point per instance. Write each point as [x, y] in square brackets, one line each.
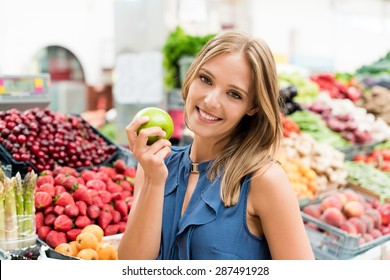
[142, 237]
[274, 201]
[141, 240]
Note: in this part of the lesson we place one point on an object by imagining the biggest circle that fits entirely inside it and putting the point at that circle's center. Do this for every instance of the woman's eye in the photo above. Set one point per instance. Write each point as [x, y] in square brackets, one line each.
[235, 95]
[205, 79]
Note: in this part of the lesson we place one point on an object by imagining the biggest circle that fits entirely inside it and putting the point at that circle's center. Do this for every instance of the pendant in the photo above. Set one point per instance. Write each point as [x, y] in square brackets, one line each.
[194, 168]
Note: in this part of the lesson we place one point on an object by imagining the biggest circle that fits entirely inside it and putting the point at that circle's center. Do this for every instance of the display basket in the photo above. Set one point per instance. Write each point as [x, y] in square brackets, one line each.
[357, 149]
[331, 243]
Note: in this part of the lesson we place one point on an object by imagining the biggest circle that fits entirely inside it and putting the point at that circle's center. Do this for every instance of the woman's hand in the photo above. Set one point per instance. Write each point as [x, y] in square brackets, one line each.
[151, 158]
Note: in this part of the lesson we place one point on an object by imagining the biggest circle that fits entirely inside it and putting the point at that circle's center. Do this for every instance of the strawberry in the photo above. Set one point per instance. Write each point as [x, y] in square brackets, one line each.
[104, 219]
[116, 217]
[113, 187]
[96, 184]
[82, 206]
[82, 194]
[47, 179]
[55, 238]
[120, 166]
[117, 196]
[59, 190]
[105, 196]
[43, 232]
[111, 229]
[49, 219]
[72, 234]
[130, 172]
[59, 179]
[102, 176]
[42, 200]
[63, 223]
[49, 210]
[88, 175]
[107, 207]
[80, 180]
[121, 206]
[82, 221]
[97, 201]
[70, 183]
[47, 187]
[93, 211]
[109, 171]
[59, 210]
[64, 199]
[39, 220]
[71, 211]
[126, 185]
[122, 226]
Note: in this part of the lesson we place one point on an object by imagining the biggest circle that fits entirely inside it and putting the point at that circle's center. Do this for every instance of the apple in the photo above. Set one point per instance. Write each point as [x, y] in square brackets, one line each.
[157, 117]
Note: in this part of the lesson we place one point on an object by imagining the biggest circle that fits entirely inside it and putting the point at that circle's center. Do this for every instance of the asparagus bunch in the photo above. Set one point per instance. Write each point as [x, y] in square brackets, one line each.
[17, 206]
[28, 198]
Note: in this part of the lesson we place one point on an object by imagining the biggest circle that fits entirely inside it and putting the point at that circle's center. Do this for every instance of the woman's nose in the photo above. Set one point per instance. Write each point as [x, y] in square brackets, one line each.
[212, 99]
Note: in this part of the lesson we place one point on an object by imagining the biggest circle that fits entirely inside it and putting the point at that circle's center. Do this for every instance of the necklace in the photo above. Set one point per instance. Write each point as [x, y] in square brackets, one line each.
[194, 168]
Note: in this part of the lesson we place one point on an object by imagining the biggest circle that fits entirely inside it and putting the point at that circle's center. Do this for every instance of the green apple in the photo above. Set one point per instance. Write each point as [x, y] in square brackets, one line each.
[157, 117]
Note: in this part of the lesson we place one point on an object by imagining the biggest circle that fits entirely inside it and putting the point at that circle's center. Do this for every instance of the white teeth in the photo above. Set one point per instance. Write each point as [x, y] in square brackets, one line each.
[207, 117]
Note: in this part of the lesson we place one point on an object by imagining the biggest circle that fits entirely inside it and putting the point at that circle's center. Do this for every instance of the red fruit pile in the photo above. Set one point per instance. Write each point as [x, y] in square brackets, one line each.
[354, 213]
[48, 139]
[66, 201]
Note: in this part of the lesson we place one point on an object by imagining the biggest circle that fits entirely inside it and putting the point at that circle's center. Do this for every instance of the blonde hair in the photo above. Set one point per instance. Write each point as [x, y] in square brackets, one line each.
[256, 139]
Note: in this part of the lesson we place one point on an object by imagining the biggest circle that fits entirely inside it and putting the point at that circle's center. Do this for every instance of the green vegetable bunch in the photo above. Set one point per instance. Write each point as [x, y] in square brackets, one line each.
[17, 206]
[177, 45]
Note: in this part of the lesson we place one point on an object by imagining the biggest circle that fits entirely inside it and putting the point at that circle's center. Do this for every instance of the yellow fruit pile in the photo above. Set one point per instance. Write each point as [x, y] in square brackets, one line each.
[89, 245]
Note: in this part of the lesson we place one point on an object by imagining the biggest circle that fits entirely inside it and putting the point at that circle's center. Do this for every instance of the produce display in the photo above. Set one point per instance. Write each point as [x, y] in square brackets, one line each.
[369, 179]
[67, 201]
[307, 90]
[346, 223]
[288, 94]
[335, 88]
[313, 124]
[326, 162]
[377, 102]
[356, 124]
[17, 219]
[44, 139]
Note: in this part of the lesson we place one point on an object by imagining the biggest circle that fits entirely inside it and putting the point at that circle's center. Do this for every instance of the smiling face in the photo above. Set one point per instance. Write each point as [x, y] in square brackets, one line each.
[219, 96]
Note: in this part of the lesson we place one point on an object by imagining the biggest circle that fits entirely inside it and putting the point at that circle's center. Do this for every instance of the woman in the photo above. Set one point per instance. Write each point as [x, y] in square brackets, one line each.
[224, 196]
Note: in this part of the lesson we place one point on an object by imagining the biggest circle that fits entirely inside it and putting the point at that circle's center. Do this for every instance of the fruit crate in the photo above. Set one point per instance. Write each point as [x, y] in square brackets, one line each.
[12, 166]
[331, 243]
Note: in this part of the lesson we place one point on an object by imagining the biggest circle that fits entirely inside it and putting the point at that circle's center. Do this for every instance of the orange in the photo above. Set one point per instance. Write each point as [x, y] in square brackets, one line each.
[75, 248]
[96, 230]
[86, 240]
[65, 249]
[88, 254]
[106, 251]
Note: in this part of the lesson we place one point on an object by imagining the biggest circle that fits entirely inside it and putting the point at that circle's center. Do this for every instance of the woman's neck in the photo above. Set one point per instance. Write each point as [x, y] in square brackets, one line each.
[203, 150]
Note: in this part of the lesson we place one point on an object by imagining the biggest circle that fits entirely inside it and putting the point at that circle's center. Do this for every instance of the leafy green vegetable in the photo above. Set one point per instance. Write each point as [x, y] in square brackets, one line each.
[177, 45]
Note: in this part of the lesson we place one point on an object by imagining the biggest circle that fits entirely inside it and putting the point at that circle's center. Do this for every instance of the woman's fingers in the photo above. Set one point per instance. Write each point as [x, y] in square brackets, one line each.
[131, 130]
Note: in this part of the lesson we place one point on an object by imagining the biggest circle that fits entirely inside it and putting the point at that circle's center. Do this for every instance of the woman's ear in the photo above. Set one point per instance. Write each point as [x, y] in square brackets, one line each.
[252, 111]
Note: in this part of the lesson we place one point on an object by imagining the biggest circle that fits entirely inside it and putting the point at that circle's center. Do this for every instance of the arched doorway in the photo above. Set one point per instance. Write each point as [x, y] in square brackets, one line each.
[67, 89]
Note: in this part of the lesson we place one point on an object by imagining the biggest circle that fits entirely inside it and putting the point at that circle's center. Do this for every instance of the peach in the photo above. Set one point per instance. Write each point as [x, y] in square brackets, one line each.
[376, 233]
[385, 214]
[353, 209]
[333, 216]
[330, 201]
[351, 195]
[359, 225]
[348, 227]
[375, 216]
[384, 229]
[368, 221]
[313, 210]
[368, 237]
[342, 197]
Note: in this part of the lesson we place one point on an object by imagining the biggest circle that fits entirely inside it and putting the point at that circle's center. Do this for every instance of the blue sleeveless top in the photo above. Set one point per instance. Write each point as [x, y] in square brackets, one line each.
[207, 230]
